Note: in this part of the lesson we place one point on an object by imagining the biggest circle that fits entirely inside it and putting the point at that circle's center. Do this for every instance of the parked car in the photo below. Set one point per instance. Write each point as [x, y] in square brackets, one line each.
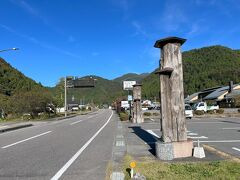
[188, 111]
[202, 106]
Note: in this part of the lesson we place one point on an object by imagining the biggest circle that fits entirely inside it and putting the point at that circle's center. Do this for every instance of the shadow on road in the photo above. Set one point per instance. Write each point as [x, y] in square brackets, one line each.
[232, 122]
[146, 137]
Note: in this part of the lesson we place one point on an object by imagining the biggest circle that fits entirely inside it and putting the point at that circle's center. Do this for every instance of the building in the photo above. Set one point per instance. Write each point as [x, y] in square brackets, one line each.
[223, 96]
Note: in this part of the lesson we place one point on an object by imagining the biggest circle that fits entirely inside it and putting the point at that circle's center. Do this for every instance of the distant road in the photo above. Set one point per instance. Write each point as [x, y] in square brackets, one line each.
[74, 148]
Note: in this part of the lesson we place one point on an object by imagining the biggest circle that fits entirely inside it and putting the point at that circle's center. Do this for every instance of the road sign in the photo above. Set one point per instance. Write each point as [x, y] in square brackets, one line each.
[128, 85]
[130, 98]
[80, 83]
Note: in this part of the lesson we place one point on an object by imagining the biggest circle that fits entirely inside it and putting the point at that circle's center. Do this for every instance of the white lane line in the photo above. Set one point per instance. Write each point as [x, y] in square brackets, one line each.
[192, 134]
[221, 141]
[76, 122]
[236, 149]
[79, 152]
[85, 119]
[25, 140]
[198, 137]
[153, 133]
[205, 122]
[232, 128]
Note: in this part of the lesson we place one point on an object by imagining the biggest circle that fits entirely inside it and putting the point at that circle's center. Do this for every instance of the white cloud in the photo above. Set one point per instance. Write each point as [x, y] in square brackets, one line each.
[139, 30]
[173, 16]
[30, 9]
[37, 42]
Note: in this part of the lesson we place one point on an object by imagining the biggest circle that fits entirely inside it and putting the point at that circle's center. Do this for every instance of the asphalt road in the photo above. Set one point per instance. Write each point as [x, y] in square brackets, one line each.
[221, 133]
[74, 148]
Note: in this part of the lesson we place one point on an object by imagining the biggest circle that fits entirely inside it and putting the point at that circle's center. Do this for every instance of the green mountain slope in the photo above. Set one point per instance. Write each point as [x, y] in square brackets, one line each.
[105, 91]
[131, 76]
[12, 81]
[203, 68]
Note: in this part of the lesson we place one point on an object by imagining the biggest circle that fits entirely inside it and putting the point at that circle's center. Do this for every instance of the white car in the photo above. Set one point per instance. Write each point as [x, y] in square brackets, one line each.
[188, 111]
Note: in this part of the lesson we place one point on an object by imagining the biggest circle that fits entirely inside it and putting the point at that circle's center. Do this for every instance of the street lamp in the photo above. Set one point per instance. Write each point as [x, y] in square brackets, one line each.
[10, 49]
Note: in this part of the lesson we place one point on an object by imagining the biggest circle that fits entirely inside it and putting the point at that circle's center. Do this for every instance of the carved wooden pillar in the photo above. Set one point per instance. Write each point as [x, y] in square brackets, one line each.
[173, 121]
[137, 107]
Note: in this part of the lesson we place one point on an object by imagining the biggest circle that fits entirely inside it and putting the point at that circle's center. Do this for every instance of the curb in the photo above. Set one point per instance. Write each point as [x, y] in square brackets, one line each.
[15, 127]
[221, 153]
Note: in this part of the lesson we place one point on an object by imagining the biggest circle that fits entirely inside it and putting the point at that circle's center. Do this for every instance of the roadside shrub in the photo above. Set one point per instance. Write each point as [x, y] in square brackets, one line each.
[147, 114]
[210, 111]
[156, 114]
[198, 112]
[83, 108]
[123, 116]
[220, 111]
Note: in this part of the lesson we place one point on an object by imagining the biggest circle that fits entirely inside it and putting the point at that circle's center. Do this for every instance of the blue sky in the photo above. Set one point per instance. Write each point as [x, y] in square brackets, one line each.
[108, 38]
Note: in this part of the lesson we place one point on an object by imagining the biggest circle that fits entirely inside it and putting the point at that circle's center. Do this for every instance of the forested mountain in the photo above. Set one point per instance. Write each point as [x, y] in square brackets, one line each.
[203, 68]
[20, 94]
[13, 81]
[131, 76]
[105, 91]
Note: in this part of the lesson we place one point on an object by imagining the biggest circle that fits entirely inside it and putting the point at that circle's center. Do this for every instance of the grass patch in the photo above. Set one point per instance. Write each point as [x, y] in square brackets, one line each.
[147, 114]
[153, 169]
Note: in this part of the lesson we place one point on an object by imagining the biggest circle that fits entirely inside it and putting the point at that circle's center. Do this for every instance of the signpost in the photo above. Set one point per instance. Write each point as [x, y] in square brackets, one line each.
[128, 86]
[71, 82]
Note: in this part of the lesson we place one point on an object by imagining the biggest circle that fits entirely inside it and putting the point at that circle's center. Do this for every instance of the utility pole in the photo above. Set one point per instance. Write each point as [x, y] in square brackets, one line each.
[65, 86]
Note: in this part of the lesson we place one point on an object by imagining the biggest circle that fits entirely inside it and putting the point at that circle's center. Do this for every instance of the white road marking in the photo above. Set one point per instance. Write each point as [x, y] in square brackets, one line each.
[192, 134]
[232, 128]
[220, 141]
[198, 137]
[236, 149]
[76, 122]
[25, 140]
[85, 119]
[153, 133]
[152, 119]
[79, 152]
[205, 122]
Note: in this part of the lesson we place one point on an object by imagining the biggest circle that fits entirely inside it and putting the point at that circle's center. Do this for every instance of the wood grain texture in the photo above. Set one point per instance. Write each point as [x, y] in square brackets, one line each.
[172, 95]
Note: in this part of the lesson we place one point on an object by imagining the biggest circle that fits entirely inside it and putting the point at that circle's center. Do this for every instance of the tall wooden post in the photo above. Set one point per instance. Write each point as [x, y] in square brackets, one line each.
[137, 107]
[173, 122]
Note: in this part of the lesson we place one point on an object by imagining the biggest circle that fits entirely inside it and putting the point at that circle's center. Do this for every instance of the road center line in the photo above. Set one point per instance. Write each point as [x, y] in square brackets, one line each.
[25, 140]
[85, 119]
[76, 122]
[236, 149]
[79, 152]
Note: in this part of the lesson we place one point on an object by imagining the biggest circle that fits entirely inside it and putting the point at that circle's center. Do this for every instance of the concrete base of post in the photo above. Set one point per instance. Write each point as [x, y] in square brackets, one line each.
[172, 150]
[198, 152]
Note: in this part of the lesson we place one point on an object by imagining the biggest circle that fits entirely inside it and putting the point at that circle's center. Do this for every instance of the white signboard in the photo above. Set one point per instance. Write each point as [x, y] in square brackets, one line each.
[124, 104]
[128, 85]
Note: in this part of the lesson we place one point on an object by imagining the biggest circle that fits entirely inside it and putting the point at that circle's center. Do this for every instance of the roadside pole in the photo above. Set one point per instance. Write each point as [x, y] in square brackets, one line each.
[130, 106]
[65, 86]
